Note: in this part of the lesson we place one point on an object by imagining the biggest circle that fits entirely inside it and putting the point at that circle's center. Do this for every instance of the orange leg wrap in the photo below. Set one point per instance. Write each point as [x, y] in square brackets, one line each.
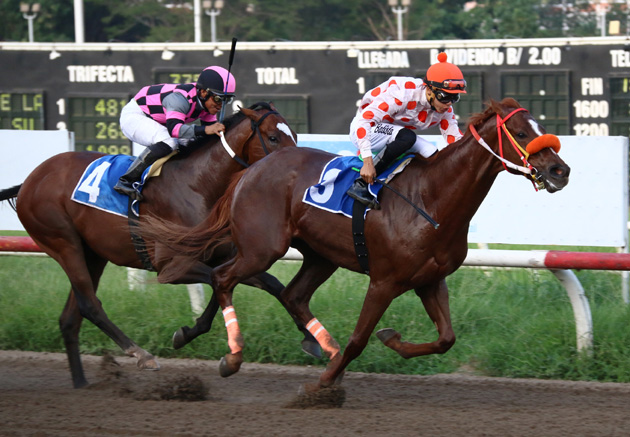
[325, 340]
[235, 340]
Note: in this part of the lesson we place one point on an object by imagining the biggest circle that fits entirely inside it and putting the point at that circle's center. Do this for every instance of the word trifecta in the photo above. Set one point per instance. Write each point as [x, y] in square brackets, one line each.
[100, 73]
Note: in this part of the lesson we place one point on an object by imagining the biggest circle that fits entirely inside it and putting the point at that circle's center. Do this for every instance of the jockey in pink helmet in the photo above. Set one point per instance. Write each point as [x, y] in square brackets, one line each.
[390, 116]
[158, 117]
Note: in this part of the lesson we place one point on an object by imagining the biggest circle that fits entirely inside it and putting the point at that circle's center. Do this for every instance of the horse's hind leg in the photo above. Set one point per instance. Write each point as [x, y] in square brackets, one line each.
[203, 323]
[245, 264]
[77, 262]
[264, 281]
[435, 300]
[70, 325]
[271, 285]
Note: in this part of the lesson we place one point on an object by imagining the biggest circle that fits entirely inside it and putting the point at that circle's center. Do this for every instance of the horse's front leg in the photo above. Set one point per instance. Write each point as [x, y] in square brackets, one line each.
[377, 300]
[435, 300]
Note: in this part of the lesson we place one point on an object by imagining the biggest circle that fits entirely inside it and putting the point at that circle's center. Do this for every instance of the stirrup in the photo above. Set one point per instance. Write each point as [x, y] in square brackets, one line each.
[359, 191]
[128, 190]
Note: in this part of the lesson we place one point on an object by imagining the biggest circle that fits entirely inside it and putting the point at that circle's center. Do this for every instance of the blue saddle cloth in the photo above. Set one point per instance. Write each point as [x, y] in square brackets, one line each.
[95, 188]
[338, 176]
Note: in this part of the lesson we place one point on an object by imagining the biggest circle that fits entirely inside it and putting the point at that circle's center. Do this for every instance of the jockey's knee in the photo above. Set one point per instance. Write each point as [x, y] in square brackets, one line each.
[406, 136]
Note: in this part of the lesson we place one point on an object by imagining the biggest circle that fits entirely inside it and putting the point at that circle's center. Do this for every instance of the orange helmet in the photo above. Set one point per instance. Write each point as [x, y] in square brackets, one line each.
[445, 76]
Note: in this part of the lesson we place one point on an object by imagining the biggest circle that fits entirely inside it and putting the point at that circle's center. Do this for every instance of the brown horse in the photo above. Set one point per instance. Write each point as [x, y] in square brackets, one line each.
[83, 239]
[263, 214]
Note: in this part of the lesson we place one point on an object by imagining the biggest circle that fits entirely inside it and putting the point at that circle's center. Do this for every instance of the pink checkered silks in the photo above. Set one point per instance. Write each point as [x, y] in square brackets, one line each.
[150, 100]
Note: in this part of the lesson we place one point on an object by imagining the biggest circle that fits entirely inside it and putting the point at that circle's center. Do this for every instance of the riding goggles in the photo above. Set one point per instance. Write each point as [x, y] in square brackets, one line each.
[444, 97]
[221, 98]
[449, 84]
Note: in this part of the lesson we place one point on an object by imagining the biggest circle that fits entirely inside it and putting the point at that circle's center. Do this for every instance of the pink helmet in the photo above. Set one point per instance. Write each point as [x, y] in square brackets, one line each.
[216, 80]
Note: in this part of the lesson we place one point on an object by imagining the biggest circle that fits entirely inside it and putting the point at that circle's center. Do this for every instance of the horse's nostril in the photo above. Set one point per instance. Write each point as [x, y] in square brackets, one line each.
[560, 171]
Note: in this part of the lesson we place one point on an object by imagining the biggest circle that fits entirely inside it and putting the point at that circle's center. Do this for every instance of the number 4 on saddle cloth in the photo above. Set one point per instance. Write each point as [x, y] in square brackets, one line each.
[338, 175]
[95, 188]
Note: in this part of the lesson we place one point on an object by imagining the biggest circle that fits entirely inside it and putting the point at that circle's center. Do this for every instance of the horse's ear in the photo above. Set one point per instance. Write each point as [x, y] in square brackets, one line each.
[250, 113]
[272, 106]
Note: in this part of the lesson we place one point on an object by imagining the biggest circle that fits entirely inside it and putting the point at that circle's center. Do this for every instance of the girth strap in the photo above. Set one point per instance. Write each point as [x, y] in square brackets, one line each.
[138, 241]
[358, 235]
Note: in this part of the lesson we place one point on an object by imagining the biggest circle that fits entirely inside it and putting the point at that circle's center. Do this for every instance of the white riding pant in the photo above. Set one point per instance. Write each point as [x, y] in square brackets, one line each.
[143, 130]
[384, 133]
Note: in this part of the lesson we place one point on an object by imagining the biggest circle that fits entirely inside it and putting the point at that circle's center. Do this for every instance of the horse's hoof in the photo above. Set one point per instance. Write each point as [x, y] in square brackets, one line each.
[312, 348]
[148, 363]
[230, 364]
[309, 387]
[179, 338]
[339, 379]
[386, 334]
[80, 383]
[312, 396]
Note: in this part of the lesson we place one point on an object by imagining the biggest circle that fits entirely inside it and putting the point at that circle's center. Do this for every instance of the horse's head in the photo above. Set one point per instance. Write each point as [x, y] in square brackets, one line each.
[269, 131]
[522, 144]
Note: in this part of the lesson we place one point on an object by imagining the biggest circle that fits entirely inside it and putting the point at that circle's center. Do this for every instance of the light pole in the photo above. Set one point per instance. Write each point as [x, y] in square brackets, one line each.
[602, 8]
[29, 12]
[213, 9]
[399, 11]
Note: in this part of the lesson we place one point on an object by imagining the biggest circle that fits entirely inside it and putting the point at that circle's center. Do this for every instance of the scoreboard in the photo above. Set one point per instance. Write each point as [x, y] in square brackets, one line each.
[572, 86]
[22, 110]
[94, 121]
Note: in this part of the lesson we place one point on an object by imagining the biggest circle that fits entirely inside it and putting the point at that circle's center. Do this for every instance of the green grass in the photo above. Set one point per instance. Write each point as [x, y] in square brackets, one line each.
[513, 323]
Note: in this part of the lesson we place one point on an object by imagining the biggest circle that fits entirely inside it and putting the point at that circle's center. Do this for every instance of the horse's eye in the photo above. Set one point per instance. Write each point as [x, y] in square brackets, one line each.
[521, 134]
[273, 139]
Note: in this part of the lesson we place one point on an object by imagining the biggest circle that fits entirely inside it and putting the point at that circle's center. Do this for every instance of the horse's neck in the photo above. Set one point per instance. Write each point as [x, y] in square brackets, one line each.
[460, 179]
[208, 169]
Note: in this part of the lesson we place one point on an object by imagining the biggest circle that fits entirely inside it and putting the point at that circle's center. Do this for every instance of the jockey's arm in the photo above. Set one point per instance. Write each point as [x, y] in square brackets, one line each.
[176, 107]
[450, 129]
[380, 110]
[368, 172]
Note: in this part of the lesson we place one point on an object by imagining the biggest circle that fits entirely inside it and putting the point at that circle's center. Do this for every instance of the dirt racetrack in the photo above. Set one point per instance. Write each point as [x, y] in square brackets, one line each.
[36, 399]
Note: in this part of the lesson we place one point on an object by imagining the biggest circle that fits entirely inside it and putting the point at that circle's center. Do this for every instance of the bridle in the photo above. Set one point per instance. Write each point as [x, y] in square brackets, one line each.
[524, 154]
[255, 130]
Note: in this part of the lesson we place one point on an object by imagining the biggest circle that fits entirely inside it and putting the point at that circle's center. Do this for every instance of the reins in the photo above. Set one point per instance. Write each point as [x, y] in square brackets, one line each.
[506, 163]
[255, 129]
[419, 210]
[524, 155]
[527, 168]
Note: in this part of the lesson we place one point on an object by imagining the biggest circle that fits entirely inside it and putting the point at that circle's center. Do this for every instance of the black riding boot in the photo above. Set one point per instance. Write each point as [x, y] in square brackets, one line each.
[404, 140]
[125, 184]
[359, 191]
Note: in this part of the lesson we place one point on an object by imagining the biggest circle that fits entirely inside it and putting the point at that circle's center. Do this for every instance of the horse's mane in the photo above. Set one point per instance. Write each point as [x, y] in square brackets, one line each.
[492, 108]
[232, 120]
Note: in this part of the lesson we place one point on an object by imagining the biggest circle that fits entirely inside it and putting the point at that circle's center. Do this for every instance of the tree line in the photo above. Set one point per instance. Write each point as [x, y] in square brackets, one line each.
[309, 20]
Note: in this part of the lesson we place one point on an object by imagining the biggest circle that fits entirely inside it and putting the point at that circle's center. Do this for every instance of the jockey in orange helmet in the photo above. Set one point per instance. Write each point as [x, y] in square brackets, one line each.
[390, 115]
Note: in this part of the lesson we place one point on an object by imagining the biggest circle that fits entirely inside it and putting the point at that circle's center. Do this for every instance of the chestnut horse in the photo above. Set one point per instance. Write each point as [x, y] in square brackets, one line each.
[83, 239]
[263, 214]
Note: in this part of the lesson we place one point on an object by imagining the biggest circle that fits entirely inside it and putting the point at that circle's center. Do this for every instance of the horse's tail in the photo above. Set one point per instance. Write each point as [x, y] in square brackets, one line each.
[199, 242]
[10, 194]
